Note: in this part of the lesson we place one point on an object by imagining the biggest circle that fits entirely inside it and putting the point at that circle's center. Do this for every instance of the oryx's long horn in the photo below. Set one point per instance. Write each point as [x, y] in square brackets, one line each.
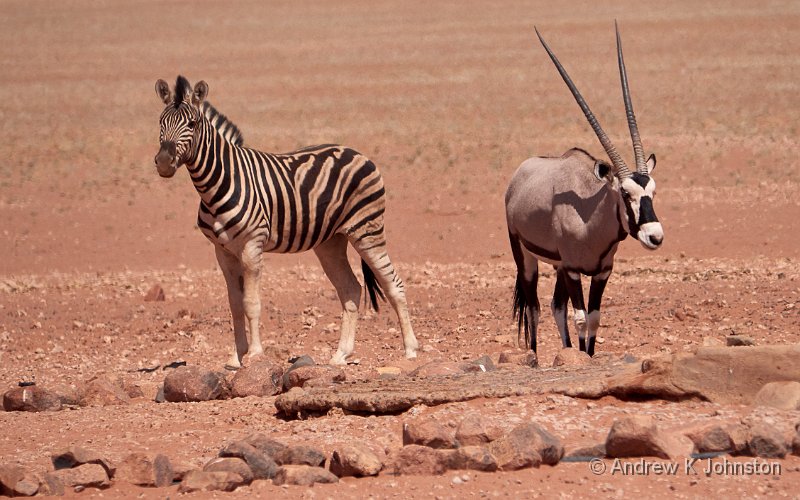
[620, 168]
[638, 150]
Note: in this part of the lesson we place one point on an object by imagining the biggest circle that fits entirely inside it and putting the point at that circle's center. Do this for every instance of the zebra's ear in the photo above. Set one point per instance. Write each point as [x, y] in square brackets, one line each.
[199, 93]
[162, 89]
[651, 163]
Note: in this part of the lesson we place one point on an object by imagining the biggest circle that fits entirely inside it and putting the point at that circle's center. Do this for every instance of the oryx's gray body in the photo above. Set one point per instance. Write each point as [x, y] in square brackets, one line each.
[564, 214]
[571, 212]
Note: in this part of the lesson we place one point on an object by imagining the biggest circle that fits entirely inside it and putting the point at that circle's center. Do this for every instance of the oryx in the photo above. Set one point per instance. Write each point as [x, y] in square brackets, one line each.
[571, 212]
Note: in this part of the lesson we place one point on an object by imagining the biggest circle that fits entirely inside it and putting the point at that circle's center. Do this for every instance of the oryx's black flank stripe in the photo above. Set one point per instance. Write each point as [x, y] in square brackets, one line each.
[292, 202]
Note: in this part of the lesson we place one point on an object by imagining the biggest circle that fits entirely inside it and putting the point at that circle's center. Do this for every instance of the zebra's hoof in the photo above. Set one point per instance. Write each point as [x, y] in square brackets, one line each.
[230, 367]
[338, 359]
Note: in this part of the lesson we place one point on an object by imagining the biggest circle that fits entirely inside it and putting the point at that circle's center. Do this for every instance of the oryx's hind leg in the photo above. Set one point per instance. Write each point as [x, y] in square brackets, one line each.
[559, 307]
[526, 297]
[370, 243]
[333, 256]
[595, 298]
[573, 281]
[234, 279]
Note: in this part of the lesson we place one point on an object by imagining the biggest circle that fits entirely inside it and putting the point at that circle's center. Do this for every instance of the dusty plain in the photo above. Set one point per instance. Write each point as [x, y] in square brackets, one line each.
[447, 98]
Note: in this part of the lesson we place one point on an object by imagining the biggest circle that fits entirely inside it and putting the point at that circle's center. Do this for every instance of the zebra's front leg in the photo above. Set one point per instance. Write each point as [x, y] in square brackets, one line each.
[332, 254]
[251, 273]
[573, 282]
[595, 298]
[234, 279]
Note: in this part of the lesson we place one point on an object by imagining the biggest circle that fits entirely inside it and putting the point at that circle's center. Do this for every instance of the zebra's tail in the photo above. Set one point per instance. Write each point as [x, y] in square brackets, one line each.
[372, 285]
[520, 304]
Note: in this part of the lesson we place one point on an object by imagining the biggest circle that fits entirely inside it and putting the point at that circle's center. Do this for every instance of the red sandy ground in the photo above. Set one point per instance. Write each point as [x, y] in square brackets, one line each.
[447, 98]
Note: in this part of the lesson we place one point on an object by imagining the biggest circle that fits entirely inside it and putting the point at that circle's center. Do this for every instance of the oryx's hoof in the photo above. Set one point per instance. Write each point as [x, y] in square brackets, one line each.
[411, 353]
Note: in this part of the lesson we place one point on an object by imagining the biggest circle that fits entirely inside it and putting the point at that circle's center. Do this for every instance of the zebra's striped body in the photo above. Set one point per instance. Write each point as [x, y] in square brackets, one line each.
[318, 198]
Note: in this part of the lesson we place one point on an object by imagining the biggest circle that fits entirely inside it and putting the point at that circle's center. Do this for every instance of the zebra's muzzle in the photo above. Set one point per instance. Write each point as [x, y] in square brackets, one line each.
[166, 160]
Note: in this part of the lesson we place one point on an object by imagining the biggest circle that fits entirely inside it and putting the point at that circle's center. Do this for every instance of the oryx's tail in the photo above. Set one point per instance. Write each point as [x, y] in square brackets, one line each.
[520, 307]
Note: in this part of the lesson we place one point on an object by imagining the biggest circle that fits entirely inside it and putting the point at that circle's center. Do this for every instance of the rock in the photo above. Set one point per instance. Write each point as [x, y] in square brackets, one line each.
[354, 459]
[711, 438]
[142, 470]
[70, 394]
[571, 357]
[155, 294]
[210, 481]
[105, 391]
[51, 485]
[711, 342]
[482, 364]
[230, 464]
[796, 443]
[472, 430]
[268, 446]
[638, 436]
[300, 376]
[299, 455]
[474, 458]
[179, 470]
[428, 432]
[304, 360]
[718, 374]
[511, 454]
[784, 395]
[766, 441]
[519, 357]
[31, 398]
[263, 466]
[739, 340]
[739, 435]
[389, 371]
[192, 383]
[438, 369]
[591, 451]
[527, 445]
[83, 476]
[259, 378]
[15, 480]
[76, 455]
[303, 475]
[420, 460]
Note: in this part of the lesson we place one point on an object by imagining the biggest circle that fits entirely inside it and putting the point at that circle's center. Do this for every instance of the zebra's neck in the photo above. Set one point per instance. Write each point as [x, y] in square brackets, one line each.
[222, 124]
[210, 168]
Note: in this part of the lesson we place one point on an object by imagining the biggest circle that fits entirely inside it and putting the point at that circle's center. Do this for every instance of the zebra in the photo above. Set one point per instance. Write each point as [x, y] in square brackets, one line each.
[571, 212]
[318, 198]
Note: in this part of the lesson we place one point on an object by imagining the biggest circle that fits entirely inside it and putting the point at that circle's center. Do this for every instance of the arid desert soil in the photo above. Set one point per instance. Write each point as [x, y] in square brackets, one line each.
[447, 98]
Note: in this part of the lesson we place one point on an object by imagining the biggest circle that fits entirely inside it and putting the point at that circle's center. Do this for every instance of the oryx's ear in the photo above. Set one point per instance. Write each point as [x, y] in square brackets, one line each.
[651, 163]
[601, 171]
[200, 92]
[162, 89]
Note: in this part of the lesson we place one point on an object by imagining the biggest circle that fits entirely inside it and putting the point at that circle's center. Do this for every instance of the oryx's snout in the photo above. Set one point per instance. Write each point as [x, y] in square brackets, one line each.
[167, 159]
[651, 235]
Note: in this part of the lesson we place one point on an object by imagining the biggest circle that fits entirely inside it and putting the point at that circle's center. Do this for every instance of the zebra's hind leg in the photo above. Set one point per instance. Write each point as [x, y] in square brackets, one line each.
[234, 279]
[332, 254]
[371, 246]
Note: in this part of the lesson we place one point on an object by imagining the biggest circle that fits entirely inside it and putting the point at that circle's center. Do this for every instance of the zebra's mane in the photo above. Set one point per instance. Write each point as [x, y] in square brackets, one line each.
[220, 122]
[224, 126]
[182, 87]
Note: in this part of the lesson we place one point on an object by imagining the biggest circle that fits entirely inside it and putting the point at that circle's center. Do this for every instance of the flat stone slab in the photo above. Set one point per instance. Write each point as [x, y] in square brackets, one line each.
[399, 394]
[722, 375]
